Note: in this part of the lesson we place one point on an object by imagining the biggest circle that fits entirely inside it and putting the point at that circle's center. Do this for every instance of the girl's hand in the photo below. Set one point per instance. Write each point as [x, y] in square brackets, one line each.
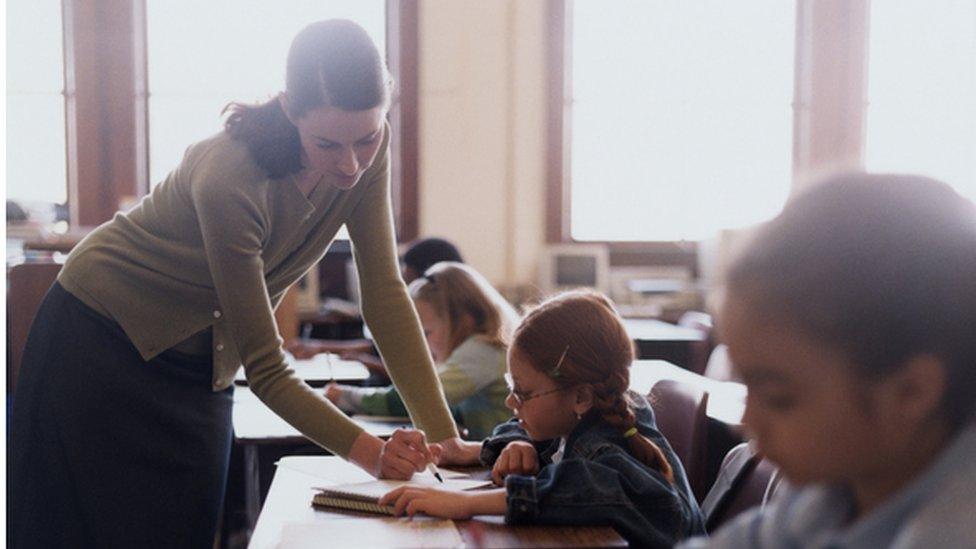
[372, 362]
[518, 458]
[303, 349]
[430, 501]
[455, 451]
[406, 453]
[333, 392]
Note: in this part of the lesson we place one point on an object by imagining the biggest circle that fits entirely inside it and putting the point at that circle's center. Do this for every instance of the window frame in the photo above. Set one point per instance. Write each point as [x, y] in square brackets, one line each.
[829, 109]
[106, 108]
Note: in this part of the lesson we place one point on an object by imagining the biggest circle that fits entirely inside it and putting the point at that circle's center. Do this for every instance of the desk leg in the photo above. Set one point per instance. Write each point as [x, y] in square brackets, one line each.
[252, 486]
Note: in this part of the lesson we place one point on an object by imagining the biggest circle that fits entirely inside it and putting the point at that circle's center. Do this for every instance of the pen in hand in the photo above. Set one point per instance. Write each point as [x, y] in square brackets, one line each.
[433, 469]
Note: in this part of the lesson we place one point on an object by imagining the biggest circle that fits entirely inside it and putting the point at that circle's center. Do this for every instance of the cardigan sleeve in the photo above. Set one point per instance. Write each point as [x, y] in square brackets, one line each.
[234, 230]
[389, 312]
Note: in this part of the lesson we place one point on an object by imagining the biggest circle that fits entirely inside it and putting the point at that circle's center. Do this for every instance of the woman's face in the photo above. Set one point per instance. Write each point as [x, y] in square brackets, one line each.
[340, 145]
[436, 330]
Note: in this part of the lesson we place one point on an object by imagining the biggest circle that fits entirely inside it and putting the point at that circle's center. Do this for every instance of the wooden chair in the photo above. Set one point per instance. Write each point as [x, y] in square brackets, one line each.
[746, 480]
[27, 284]
[699, 351]
[680, 412]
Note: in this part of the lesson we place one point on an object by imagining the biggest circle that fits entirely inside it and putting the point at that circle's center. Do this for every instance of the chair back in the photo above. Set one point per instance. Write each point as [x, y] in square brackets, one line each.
[680, 412]
[27, 284]
[746, 480]
[698, 351]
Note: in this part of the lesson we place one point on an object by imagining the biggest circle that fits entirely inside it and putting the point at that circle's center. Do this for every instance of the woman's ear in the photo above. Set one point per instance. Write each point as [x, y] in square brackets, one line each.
[584, 399]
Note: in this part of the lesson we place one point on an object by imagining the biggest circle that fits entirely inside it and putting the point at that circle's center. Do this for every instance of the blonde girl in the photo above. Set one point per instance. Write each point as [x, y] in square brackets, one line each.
[468, 325]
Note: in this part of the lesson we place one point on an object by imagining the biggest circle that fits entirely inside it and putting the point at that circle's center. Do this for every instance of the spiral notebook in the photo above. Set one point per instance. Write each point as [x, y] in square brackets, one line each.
[364, 496]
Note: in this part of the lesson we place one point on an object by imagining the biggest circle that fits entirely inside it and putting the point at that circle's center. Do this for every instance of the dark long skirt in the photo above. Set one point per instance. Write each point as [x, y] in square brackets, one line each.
[106, 449]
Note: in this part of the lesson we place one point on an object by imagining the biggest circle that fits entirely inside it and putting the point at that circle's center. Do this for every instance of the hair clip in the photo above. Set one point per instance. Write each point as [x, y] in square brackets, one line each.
[630, 432]
[555, 371]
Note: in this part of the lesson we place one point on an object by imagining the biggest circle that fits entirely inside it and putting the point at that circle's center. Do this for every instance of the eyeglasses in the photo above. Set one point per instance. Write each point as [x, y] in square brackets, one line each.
[522, 397]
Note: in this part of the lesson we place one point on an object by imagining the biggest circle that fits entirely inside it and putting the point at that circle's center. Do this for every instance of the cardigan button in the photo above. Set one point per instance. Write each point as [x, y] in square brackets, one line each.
[220, 347]
[216, 314]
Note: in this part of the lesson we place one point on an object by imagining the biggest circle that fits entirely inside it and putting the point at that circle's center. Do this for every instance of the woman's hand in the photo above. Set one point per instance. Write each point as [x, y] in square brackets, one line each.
[406, 453]
[454, 451]
[518, 458]
[444, 503]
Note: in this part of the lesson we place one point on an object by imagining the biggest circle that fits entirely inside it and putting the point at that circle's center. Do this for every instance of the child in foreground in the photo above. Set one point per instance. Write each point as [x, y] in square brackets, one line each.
[852, 320]
[582, 449]
[467, 324]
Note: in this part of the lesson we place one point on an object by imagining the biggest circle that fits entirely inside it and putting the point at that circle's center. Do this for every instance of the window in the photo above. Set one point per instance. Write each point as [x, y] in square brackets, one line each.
[680, 117]
[36, 165]
[203, 55]
[922, 91]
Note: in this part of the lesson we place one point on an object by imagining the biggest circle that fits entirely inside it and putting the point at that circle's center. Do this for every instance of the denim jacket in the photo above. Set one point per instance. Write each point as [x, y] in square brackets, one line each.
[598, 483]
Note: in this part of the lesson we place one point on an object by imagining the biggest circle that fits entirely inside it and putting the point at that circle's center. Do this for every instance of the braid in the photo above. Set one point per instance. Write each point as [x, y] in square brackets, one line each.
[615, 409]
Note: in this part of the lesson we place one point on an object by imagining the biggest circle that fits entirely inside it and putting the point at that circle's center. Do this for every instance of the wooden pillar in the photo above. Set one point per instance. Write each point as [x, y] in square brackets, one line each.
[831, 85]
[105, 88]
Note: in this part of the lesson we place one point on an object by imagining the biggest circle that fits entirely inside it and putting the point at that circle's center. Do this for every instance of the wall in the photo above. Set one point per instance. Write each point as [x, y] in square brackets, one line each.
[482, 131]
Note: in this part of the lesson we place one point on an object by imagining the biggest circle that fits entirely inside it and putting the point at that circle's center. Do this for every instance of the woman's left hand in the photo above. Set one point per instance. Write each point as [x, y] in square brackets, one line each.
[454, 451]
[429, 501]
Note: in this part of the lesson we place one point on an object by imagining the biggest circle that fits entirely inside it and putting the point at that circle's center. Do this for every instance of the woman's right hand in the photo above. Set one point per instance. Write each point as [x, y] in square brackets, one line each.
[518, 458]
[406, 453]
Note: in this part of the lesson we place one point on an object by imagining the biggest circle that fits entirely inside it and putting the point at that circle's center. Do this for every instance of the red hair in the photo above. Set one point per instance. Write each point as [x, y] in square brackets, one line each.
[585, 327]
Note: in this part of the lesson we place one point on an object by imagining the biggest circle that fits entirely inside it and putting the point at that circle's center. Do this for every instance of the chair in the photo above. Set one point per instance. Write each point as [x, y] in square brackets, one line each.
[745, 480]
[27, 284]
[680, 412]
[719, 365]
[698, 351]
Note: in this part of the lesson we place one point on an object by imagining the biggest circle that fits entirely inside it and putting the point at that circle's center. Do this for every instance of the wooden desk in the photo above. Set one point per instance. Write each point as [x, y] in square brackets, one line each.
[289, 503]
[656, 339]
[320, 369]
[263, 436]
[256, 426]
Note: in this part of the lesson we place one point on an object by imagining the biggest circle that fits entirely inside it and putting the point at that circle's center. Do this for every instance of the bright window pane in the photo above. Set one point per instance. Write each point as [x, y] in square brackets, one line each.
[681, 116]
[203, 55]
[922, 90]
[36, 165]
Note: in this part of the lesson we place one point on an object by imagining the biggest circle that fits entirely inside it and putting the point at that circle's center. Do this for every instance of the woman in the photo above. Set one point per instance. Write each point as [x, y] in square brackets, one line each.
[121, 427]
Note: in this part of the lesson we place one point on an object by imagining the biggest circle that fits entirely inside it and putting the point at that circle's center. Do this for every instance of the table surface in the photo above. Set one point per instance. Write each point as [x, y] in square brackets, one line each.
[650, 329]
[320, 369]
[255, 423]
[288, 507]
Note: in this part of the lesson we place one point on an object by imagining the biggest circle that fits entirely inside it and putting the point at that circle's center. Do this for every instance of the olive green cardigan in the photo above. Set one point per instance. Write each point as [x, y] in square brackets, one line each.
[217, 244]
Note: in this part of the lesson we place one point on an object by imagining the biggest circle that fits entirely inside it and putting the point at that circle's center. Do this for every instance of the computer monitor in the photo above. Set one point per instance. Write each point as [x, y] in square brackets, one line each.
[568, 266]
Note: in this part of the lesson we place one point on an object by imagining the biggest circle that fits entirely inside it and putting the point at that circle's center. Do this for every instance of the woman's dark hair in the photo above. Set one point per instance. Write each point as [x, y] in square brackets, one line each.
[331, 62]
[424, 253]
[881, 267]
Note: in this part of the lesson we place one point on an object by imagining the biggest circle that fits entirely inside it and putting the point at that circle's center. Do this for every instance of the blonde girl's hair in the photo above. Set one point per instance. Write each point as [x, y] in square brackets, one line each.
[583, 330]
[454, 290]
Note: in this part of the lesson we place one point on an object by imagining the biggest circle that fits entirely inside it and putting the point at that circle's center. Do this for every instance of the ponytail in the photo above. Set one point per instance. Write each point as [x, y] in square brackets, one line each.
[270, 137]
